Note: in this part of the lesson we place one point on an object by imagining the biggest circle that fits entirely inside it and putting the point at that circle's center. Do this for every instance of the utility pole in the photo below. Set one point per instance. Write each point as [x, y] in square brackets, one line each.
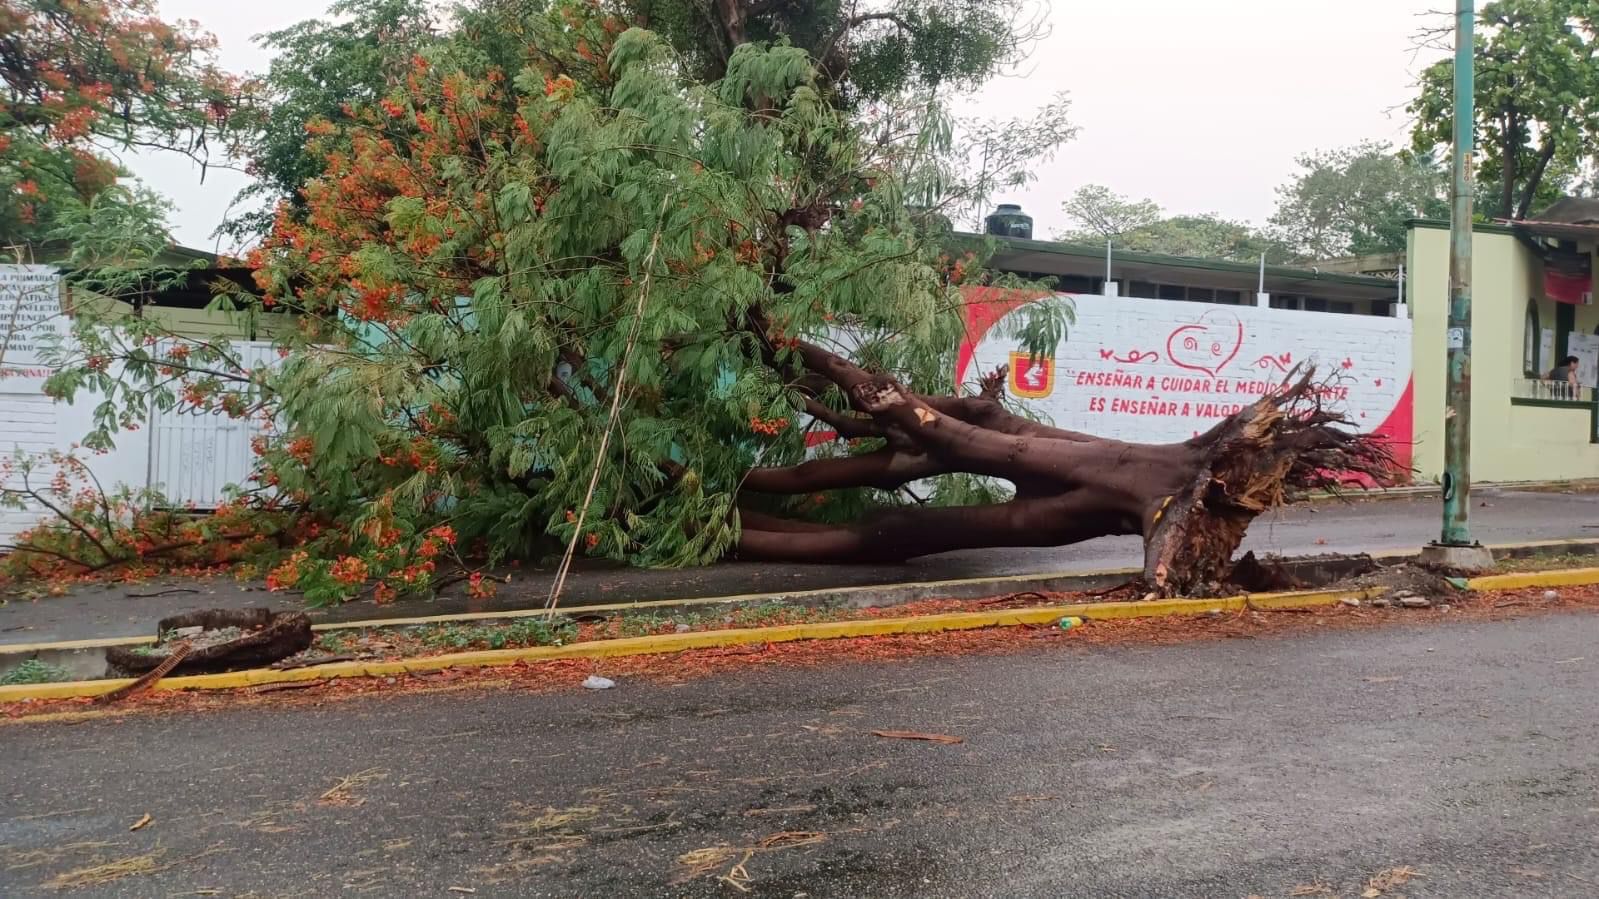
[1455, 548]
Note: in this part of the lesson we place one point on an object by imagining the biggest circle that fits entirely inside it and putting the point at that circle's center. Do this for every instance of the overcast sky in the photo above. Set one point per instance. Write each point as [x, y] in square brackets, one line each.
[1200, 110]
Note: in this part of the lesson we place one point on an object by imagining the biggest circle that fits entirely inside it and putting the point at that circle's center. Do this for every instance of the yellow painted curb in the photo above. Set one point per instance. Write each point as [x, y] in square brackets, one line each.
[799, 595]
[1518, 580]
[830, 630]
[667, 643]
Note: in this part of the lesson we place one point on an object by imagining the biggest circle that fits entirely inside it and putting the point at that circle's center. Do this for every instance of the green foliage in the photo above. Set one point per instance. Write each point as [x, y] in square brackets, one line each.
[494, 261]
[1537, 100]
[1356, 200]
[537, 290]
[33, 671]
[869, 51]
[881, 60]
[1142, 226]
[532, 631]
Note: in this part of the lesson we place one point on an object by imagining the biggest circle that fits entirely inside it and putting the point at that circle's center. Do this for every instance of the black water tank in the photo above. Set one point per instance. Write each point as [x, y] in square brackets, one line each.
[1009, 221]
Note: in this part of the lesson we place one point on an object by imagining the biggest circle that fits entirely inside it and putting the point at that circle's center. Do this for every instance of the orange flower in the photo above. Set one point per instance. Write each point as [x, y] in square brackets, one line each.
[349, 570]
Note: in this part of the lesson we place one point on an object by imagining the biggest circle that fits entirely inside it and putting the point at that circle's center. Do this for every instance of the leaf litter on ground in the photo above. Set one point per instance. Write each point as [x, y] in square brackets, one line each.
[107, 872]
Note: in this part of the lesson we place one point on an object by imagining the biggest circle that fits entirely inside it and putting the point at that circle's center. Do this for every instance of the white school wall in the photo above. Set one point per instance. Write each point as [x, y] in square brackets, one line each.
[1154, 371]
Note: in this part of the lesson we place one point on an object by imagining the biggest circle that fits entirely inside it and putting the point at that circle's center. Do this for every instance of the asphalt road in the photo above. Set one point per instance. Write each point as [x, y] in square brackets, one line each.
[1462, 751]
[1398, 524]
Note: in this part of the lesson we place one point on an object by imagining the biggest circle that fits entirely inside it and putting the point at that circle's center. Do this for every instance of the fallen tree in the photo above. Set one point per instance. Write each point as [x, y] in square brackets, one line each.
[1191, 501]
[554, 297]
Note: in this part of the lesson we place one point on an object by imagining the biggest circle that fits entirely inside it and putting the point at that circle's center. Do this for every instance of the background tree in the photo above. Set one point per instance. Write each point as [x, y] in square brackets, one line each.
[1355, 201]
[1537, 103]
[322, 69]
[82, 80]
[1143, 226]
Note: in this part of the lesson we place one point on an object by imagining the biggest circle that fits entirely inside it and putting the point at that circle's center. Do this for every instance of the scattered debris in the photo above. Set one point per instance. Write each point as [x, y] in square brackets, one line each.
[107, 872]
[701, 862]
[309, 657]
[1311, 889]
[1400, 585]
[343, 792]
[595, 682]
[1350, 601]
[1551, 595]
[161, 593]
[461, 890]
[173, 659]
[288, 685]
[917, 735]
[142, 822]
[1387, 879]
[17, 860]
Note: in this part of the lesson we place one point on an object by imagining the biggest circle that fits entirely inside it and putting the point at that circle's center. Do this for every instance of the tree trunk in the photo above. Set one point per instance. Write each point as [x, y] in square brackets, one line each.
[1509, 161]
[1529, 191]
[1190, 501]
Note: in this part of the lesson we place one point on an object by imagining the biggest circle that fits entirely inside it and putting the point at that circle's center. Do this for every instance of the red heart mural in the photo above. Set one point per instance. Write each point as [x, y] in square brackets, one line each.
[1208, 344]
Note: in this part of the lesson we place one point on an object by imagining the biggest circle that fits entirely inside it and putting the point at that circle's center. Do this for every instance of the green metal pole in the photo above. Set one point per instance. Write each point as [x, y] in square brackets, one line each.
[1457, 409]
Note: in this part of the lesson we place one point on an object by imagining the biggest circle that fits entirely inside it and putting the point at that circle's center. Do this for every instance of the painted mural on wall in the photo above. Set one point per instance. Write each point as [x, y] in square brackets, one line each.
[1154, 371]
[30, 310]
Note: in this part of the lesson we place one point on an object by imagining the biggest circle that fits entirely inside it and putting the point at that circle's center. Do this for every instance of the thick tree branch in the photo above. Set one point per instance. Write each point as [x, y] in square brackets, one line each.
[885, 469]
[899, 534]
[848, 427]
[844, 27]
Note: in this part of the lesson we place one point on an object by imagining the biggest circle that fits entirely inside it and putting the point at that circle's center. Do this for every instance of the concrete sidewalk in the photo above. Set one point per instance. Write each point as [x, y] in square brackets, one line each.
[1500, 516]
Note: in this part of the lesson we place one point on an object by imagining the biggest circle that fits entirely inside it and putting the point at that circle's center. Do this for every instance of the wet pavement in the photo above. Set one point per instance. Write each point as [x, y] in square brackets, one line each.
[1456, 758]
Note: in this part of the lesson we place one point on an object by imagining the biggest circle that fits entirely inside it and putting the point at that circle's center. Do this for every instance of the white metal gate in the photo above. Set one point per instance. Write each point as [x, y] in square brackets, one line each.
[194, 456]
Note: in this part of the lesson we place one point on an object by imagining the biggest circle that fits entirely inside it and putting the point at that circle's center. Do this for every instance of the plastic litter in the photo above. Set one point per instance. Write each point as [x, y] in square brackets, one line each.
[1070, 622]
[595, 682]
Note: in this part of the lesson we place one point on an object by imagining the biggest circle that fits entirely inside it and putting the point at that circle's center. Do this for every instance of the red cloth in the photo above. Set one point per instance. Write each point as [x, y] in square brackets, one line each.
[1568, 287]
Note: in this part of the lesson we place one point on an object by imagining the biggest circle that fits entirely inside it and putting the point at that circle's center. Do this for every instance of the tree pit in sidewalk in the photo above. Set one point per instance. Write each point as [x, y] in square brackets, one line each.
[216, 640]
